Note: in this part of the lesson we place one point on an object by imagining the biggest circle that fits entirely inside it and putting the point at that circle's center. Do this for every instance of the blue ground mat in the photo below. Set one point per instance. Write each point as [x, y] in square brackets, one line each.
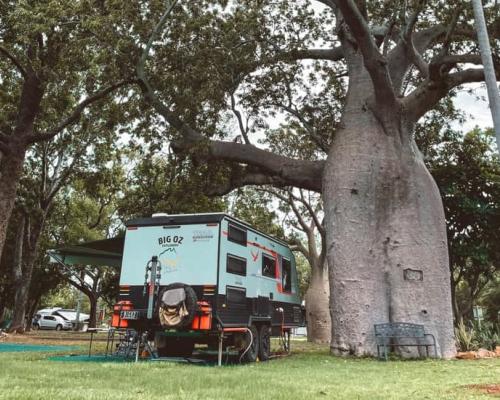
[17, 347]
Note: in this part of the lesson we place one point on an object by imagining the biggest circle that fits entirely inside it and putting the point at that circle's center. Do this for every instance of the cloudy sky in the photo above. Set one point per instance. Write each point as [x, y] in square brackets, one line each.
[475, 104]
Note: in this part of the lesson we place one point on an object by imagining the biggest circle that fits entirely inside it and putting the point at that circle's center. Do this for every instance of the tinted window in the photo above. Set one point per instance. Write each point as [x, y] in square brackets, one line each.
[236, 295]
[237, 235]
[236, 265]
[286, 278]
[268, 266]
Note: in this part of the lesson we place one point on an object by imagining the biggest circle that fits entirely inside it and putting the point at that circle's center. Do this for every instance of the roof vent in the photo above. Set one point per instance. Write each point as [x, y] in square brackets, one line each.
[156, 215]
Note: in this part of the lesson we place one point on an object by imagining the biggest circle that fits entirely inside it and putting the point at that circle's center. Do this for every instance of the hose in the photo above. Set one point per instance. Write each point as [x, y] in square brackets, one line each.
[250, 345]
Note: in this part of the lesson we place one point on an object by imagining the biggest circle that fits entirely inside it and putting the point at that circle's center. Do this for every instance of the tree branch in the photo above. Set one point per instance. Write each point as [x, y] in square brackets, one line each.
[299, 173]
[237, 113]
[14, 61]
[399, 62]
[290, 201]
[77, 111]
[328, 3]
[429, 93]
[335, 54]
[244, 177]
[314, 216]
[317, 139]
[374, 61]
[297, 245]
[407, 39]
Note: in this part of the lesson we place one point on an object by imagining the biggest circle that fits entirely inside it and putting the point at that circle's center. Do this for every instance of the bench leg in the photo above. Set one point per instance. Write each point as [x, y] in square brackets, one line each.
[385, 352]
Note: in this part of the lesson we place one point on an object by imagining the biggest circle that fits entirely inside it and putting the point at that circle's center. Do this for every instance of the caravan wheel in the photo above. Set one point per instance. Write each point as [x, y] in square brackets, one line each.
[264, 342]
[249, 354]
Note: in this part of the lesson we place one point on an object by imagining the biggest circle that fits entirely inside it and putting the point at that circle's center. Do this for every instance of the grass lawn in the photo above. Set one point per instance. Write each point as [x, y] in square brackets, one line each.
[310, 373]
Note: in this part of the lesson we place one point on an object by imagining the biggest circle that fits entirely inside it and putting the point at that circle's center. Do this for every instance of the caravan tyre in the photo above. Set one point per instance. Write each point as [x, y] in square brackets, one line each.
[264, 342]
[250, 354]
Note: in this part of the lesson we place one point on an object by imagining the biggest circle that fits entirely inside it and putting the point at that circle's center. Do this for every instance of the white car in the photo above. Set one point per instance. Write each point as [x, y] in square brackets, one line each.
[43, 321]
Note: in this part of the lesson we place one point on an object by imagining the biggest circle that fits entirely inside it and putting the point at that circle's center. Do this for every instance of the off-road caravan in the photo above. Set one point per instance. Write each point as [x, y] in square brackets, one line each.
[203, 278]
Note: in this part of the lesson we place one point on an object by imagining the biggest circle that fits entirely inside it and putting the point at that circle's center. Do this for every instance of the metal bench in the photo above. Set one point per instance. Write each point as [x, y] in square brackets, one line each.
[395, 334]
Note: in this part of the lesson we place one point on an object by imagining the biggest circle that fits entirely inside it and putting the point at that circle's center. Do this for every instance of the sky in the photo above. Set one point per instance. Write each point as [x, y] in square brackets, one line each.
[476, 106]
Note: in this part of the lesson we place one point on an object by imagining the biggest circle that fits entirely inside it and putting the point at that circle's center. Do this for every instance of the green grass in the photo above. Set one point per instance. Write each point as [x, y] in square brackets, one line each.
[308, 374]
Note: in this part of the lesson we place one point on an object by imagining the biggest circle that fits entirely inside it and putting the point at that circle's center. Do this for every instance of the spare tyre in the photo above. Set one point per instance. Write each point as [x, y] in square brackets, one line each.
[177, 306]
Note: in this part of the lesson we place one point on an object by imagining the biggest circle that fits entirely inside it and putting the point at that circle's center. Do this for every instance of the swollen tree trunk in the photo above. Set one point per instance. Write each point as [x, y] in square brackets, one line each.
[319, 326]
[386, 237]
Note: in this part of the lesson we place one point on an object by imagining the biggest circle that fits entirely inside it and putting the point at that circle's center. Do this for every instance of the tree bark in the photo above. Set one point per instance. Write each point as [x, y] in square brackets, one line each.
[384, 215]
[93, 310]
[11, 169]
[21, 293]
[26, 255]
[457, 317]
[319, 326]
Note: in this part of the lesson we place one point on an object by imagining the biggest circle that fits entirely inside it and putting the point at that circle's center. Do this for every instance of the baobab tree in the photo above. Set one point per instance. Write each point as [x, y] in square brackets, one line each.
[385, 228]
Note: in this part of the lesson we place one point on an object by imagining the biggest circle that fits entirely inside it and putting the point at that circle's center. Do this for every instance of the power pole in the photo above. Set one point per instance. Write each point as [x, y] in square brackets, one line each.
[489, 68]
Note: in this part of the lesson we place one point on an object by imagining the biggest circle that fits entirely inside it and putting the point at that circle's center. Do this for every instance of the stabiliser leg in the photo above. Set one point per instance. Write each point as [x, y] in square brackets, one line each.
[219, 353]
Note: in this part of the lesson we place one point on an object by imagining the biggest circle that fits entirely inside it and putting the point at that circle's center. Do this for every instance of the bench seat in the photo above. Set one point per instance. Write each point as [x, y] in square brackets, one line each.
[404, 334]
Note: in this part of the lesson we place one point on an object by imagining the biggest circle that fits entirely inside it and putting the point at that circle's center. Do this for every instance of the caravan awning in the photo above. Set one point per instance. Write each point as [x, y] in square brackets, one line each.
[106, 252]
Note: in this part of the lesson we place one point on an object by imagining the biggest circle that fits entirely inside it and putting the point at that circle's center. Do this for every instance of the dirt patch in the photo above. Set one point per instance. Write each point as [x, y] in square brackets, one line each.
[493, 389]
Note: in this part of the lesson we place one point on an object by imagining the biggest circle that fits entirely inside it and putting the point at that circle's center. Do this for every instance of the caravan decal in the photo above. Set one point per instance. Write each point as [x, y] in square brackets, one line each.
[170, 240]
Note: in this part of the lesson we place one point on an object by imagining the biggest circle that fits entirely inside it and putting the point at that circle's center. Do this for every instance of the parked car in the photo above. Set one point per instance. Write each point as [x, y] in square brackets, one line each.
[43, 321]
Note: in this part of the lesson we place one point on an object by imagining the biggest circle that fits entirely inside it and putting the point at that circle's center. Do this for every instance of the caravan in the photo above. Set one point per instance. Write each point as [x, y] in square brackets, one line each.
[204, 278]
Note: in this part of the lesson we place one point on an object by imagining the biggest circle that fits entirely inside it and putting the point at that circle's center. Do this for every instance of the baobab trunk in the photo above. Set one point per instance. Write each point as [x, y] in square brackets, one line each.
[319, 326]
[386, 237]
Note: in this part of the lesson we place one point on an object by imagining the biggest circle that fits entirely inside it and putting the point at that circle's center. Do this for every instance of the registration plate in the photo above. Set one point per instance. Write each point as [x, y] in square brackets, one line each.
[129, 315]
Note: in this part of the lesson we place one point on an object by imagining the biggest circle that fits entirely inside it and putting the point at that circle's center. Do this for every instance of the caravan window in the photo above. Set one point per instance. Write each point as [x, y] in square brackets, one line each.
[268, 266]
[286, 276]
[237, 235]
[236, 265]
[236, 295]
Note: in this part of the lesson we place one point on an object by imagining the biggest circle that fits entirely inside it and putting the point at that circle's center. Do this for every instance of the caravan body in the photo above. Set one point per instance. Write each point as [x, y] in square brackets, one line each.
[242, 275]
